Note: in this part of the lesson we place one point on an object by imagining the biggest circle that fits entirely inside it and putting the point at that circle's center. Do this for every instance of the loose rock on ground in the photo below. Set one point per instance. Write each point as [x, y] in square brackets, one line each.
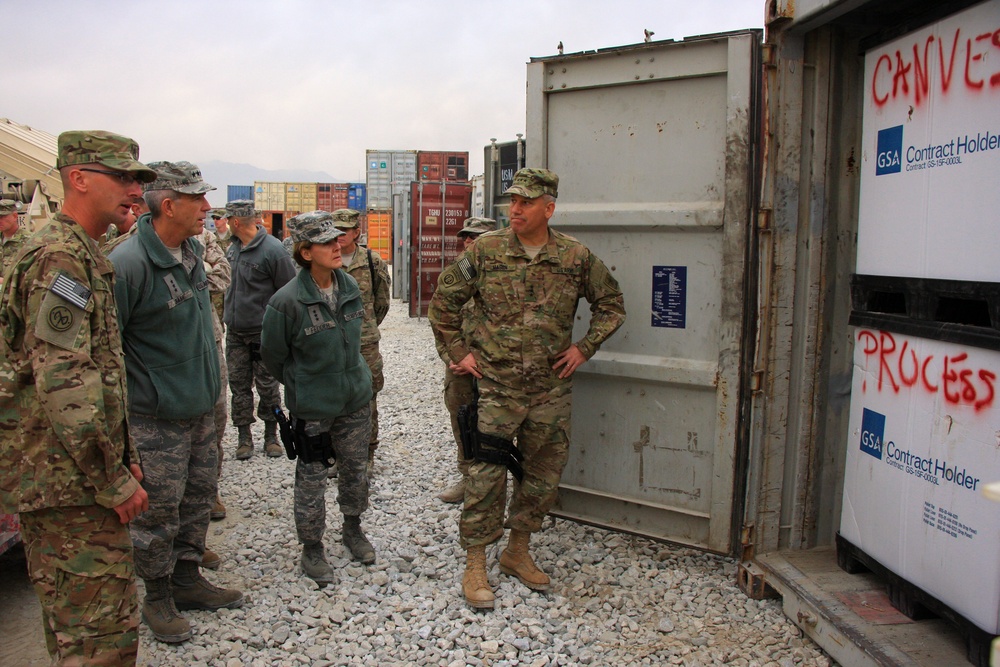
[616, 599]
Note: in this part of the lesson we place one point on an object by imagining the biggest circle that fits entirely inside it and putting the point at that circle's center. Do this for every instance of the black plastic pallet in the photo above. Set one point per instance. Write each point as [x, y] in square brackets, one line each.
[916, 603]
[953, 311]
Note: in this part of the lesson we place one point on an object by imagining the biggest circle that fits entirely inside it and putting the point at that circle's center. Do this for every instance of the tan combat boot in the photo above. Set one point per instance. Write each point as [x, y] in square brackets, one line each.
[271, 446]
[193, 591]
[475, 585]
[516, 561]
[454, 493]
[218, 510]
[244, 448]
[161, 616]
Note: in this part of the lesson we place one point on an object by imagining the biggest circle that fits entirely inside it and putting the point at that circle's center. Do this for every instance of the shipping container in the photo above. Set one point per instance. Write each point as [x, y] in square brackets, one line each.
[502, 161]
[356, 197]
[443, 165]
[239, 193]
[437, 211]
[332, 196]
[300, 196]
[722, 416]
[377, 229]
[401, 246]
[269, 196]
[389, 173]
[275, 222]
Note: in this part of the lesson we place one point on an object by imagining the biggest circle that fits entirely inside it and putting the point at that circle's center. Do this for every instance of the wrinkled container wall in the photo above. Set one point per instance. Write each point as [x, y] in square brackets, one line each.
[269, 196]
[378, 231]
[443, 165]
[239, 193]
[389, 173]
[437, 211]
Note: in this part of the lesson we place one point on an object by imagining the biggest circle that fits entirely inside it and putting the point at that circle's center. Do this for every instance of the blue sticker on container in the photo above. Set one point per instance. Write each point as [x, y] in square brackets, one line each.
[669, 297]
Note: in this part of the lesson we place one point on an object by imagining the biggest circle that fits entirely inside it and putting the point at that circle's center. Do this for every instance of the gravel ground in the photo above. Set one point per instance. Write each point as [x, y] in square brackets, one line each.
[616, 599]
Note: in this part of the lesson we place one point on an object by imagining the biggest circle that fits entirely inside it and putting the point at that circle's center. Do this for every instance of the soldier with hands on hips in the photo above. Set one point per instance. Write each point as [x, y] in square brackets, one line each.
[526, 282]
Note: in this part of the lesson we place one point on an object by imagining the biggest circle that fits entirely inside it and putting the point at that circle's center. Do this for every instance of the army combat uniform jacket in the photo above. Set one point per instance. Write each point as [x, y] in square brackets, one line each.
[315, 351]
[10, 247]
[367, 265]
[527, 306]
[165, 313]
[62, 386]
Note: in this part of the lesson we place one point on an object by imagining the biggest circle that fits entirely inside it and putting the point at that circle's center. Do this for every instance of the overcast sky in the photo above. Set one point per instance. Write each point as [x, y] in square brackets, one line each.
[308, 84]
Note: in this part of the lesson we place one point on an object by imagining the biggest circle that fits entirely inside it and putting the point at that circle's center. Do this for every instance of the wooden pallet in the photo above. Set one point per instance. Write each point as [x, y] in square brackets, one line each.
[916, 603]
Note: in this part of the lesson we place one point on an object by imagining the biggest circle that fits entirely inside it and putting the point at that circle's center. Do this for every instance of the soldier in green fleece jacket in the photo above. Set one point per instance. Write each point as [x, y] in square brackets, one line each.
[162, 290]
[311, 342]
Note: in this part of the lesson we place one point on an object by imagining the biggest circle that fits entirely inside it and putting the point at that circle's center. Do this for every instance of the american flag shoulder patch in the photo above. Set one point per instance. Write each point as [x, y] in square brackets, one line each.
[467, 269]
[71, 289]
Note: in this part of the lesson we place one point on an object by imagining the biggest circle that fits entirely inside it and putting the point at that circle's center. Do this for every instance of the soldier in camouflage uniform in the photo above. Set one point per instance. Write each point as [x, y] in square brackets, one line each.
[161, 289]
[526, 282]
[260, 267]
[311, 341]
[12, 237]
[459, 385]
[219, 277]
[372, 275]
[65, 461]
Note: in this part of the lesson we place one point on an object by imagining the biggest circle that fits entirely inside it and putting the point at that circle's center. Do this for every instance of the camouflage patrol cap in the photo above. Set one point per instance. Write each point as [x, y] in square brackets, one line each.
[346, 218]
[98, 147]
[217, 213]
[8, 206]
[182, 177]
[241, 208]
[477, 226]
[313, 227]
[532, 183]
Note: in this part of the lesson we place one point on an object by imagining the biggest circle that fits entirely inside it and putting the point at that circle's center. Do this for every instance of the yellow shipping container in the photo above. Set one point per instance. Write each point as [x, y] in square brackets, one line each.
[379, 232]
[269, 196]
[300, 196]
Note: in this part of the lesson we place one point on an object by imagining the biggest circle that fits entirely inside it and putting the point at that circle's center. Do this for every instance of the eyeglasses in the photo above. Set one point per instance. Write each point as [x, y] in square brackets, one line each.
[126, 178]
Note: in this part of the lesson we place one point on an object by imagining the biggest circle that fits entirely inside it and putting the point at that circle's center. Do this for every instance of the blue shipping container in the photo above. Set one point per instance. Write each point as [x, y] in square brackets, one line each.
[356, 196]
[238, 192]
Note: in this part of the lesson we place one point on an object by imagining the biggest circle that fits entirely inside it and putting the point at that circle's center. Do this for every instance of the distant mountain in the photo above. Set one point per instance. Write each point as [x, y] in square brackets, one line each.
[223, 174]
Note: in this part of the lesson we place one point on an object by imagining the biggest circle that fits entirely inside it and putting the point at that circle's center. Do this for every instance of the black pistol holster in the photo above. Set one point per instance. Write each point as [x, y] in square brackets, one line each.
[485, 447]
[287, 437]
[313, 448]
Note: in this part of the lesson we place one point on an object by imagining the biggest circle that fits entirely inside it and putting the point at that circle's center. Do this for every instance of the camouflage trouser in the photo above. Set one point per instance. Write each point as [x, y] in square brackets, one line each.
[349, 435]
[541, 423]
[374, 360]
[220, 412]
[180, 464]
[458, 390]
[243, 374]
[80, 562]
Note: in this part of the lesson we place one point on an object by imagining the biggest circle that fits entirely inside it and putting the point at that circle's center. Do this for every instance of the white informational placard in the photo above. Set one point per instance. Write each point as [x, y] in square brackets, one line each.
[924, 440]
[930, 201]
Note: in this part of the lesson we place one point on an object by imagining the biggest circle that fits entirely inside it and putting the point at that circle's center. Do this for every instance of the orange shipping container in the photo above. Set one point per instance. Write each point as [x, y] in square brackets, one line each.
[378, 229]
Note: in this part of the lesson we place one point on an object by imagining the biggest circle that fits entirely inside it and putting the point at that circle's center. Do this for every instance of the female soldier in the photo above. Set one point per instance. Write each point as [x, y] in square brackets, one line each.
[311, 342]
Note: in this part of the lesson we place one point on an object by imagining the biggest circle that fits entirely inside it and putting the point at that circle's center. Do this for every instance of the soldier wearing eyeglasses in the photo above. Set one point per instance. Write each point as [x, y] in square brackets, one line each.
[65, 459]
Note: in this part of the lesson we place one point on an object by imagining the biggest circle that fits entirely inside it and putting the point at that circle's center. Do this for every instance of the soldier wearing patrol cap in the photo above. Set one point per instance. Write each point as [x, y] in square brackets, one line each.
[526, 282]
[459, 388]
[71, 472]
[161, 288]
[11, 235]
[311, 342]
[260, 267]
[372, 275]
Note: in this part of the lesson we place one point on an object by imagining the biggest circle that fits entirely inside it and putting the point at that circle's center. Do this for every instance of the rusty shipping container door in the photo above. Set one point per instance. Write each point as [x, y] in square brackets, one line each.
[437, 211]
[652, 146]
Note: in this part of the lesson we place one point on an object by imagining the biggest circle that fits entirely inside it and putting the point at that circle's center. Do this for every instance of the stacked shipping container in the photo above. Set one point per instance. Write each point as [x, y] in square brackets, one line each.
[437, 211]
[239, 193]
